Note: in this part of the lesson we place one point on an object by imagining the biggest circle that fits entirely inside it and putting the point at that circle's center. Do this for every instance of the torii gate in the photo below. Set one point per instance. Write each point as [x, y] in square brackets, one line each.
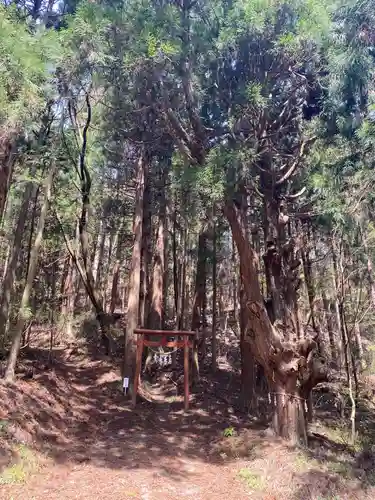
[143, 340]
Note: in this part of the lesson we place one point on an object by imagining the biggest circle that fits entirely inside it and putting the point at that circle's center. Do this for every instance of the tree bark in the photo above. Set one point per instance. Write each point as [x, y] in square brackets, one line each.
[10, 275]
[23, 310]
[68, 297]
[200, 298]
[329, 322]
[176, 267]
[370, 272]
[290, 367]
[214, 299]
[7, 152]
[234, 283]
[99, 254]
[116, 271]
[307, 271]
[248, 363]
[199, 320]
[156, 309]
[135, 275]
[182, 281]
[144, 300]
[166, 308]
[85, 269]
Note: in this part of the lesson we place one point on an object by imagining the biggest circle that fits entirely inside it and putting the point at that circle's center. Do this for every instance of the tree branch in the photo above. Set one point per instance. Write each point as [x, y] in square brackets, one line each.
[295, 164]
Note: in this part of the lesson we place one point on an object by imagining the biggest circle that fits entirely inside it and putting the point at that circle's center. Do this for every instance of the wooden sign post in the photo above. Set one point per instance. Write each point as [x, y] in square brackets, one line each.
[143, 341]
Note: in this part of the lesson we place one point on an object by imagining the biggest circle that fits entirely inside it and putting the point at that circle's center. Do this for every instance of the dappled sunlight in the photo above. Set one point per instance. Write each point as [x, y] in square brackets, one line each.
[76, 416]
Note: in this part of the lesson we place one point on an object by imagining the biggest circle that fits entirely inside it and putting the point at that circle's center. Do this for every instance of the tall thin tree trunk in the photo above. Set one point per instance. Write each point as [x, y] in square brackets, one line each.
[328, 319]
[106, 277]
[7, 152]
[165, 310]
[337, 301]
[307, 271]
[6, 242]
[52, 310]
[144, 300]
[182, 281]
[176, 267]
[10, 275]
[234, 282]
[156, 308]
[68, 293]
[200, 299]
[135, 275]
[358, 339]
[33, 265]
[116, 272]
[99, 254]
[199, 321]
[370, 272]
[214, 299]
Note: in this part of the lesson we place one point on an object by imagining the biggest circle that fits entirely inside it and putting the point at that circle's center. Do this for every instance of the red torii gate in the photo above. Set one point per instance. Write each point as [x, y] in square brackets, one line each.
[143, 340]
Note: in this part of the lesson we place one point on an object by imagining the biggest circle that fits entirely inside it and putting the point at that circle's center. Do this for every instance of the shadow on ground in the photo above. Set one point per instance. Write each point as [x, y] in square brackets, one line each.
[76, 412]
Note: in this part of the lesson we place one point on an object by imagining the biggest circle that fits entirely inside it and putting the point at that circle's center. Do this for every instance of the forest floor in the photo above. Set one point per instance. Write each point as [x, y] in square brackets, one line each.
[68, 433]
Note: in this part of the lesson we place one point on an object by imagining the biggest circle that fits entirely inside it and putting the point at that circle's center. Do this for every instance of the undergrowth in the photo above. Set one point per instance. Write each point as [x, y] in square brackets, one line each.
[26, 463]
[252, 480]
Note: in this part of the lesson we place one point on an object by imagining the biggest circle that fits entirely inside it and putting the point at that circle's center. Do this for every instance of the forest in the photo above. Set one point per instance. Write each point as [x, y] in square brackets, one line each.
[188, 165]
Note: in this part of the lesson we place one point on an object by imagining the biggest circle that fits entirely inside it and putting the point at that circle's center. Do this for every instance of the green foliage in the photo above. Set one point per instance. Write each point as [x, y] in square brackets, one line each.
[26, 464]
[252, 480]
[229, 432]
[83, 42]
[26, 62]
[254, 95]
[209, 179]
[293, 21]
[157, 47]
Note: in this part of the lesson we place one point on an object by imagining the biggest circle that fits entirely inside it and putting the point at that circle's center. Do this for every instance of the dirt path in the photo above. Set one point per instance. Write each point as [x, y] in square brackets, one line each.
[96, 447]
[90, 445]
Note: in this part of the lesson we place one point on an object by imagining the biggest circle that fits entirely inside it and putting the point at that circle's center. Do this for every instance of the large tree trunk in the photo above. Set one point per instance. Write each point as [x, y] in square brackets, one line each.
[247, 359]
[155, 315]
[144, 299]
[290, 367]
[248, 364]
[33, 265]
[156, 309]
[135, 275]
[282, 267]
